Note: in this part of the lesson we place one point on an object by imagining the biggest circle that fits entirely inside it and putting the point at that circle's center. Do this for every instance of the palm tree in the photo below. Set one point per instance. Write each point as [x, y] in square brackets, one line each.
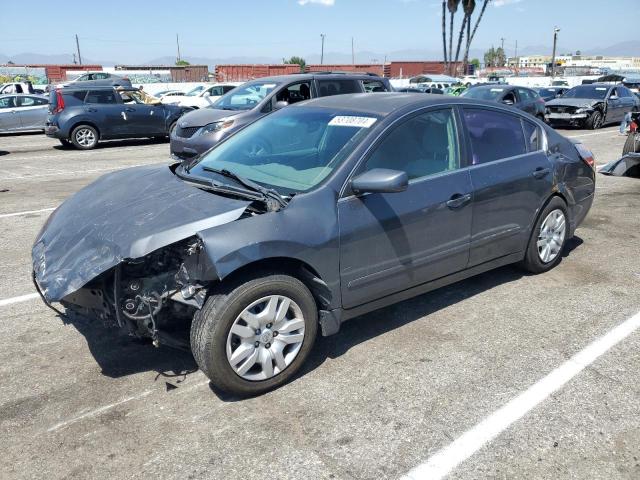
[468, 6]
[444, 31]
[470, 36]
[453, 8]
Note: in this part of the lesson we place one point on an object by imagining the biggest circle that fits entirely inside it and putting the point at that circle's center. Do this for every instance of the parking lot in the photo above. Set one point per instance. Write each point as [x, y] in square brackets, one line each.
[383, 396]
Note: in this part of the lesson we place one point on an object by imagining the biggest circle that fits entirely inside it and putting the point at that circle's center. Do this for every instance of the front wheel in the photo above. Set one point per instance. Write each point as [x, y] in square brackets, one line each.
[84, 137]
[254, 336]
[548, 238]
[595, 121]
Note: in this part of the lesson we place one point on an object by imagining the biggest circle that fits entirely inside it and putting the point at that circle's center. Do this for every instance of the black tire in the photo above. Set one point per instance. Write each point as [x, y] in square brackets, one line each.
[211, 326]
[632, 144]
[84, 137]
[532, 261]
[595, 121]
[65, 143]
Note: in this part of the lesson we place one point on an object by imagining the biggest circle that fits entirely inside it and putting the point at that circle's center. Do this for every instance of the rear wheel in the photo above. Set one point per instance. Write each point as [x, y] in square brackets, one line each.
[548, 238]
[255, 335]
[84, 137]
[632, 145]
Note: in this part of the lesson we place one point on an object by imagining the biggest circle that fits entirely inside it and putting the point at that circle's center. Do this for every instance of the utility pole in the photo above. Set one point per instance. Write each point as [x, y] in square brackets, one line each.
[322, 35]
[502, 40]
[353, 55]
[517, 62]
[553, 56]
[74, 59]
[78, 48]
[178, 43]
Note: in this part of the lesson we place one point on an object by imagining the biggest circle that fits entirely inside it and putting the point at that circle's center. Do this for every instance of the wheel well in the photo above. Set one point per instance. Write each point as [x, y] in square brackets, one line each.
[84, 122]
[288, 266]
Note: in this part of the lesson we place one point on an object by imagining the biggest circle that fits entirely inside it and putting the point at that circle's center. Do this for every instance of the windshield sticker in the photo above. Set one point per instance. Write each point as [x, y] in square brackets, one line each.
[497, 89]
[268, 85]
[600, 88]
[348, 121]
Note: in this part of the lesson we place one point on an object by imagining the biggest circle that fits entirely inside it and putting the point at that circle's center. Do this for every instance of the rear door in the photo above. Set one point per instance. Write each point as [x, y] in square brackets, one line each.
[511, 177]
[9, 116]
[103, 107]
[33, 111]
[526, 100]
[615, 107]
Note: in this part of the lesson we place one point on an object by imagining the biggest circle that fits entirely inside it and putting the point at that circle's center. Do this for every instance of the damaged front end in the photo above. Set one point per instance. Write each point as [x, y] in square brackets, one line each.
[154, 296]
[126, 250]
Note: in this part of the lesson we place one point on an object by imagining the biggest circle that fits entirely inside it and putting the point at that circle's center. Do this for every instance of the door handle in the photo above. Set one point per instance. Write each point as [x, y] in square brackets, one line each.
[129, 109]
[458, 201]
[540, 172]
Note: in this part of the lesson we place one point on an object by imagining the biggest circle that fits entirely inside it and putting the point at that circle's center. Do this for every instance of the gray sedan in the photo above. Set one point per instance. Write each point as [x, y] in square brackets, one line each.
[20, 113]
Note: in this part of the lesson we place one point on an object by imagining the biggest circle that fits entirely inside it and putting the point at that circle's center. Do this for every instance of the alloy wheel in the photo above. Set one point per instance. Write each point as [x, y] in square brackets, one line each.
[85, 137]
[551, 236]
[265, 338]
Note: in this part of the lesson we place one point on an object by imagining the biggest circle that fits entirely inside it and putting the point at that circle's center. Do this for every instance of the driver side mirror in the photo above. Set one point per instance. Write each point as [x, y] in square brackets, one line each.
[380, 180]
[507, 101]
[281, 104]
[206, 94]
[613, 97]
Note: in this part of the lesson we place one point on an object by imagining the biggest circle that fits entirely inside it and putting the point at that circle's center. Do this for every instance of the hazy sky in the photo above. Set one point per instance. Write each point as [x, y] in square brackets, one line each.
[141, 30]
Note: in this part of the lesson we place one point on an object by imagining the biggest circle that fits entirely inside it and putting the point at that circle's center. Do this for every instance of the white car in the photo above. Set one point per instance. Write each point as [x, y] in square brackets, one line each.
[202, 96]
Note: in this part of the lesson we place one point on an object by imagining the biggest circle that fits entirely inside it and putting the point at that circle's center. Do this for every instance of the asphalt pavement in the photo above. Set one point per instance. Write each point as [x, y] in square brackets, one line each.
[392, 391]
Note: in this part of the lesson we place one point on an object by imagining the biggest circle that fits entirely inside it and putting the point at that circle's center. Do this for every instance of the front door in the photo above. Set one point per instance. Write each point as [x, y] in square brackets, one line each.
[142, 119]
[511, 177]
[393, 241]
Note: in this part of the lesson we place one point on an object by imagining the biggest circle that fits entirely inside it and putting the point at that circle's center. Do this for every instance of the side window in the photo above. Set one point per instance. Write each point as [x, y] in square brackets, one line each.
[294, 93]
[424, 145]
[613, 92]
[79, 95]
[337, 87]
[532, 136]
[101, 96]
[525, 95]
[31, 101]
[509, 98]
[7, 102]
[373, 86]
[494, 135]
[101, 76]
[624, 92]
[227, 88]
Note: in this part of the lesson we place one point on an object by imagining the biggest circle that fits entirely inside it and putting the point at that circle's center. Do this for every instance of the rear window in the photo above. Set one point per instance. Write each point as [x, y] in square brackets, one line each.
[531, 136]
[77, 95]
[337, 87]
[101, 96]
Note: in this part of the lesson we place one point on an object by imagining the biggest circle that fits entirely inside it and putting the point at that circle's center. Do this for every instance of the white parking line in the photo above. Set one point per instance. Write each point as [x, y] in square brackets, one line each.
[443, 462]
[27, 212]
[21, 298]
[610, 132]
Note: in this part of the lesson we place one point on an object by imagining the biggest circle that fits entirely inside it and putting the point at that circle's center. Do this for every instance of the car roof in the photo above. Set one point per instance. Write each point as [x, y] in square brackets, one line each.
[280, 79]
[384, 103]
[98, 87]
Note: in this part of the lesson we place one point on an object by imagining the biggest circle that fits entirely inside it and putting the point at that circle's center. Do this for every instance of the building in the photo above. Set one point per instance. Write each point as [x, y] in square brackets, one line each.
[46, 73]
[577, 62]
[177, 73]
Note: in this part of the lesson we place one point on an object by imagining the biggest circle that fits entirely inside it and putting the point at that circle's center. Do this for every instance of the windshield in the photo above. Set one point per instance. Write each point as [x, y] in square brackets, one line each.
[291, 150]
[244, 97]
[484, 93]
[587, 91]
[195, 91]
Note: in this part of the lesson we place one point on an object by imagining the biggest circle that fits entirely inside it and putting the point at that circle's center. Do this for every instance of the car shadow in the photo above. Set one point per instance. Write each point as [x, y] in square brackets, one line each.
[119, 355]
[30, 133]
[107, 144]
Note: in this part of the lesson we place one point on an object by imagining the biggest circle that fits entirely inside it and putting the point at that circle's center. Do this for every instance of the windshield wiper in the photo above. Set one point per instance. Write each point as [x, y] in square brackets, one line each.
[268, 195]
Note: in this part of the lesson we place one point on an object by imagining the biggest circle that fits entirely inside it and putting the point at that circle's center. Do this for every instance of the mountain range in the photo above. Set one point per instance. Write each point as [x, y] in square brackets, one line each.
[629, 48]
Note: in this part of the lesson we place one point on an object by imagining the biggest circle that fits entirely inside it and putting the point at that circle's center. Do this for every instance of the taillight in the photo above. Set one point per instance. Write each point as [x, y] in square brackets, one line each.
[59, 102]
[586, 155]
[633, 127]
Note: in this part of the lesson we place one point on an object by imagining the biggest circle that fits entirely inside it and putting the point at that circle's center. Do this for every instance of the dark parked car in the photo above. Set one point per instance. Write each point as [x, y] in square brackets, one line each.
[549, 93]
[523, 98]
[98, 79]
[84, 116]
[198, 131]
[433, 90]
[350, 203]
[592, 106]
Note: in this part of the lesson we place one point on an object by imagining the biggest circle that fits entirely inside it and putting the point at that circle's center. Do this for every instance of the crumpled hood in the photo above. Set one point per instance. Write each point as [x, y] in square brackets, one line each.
[204, 116]
[573, 102]
[126, 214]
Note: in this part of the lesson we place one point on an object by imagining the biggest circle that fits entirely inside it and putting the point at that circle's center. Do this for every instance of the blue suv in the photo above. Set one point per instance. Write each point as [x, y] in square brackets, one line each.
[83, 116]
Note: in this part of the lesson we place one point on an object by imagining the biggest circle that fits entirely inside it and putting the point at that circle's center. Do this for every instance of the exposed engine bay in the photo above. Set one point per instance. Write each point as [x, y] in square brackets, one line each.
[154, 296]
